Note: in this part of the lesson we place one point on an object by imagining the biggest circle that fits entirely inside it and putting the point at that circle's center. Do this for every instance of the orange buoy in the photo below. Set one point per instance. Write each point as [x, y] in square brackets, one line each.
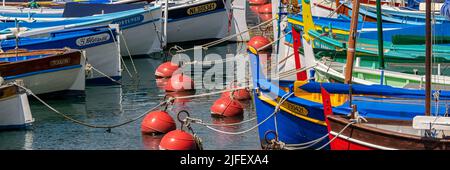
[178, 140]
[226, 107]
[265, 12]
[179, 83]
[240, 94]
[157, 122]
[165, 70]
[258, 42]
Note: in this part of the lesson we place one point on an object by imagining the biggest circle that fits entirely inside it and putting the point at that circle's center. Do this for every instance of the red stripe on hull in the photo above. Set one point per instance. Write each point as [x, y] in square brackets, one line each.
[342, 144]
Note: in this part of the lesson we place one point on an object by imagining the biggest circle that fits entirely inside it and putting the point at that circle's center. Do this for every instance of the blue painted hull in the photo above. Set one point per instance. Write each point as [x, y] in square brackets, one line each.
[62, 39]
[305, 121]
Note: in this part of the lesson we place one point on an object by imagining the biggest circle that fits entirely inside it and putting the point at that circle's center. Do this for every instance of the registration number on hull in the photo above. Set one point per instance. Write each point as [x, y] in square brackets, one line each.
[202, 8]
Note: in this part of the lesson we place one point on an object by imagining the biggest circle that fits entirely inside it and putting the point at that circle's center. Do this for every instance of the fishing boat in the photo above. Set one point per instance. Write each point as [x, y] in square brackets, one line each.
[51, 71]
[188, 20]
[404, 48]
[140, 28]
[394, 16]
[300, 123]
[429, 132]
[101, 45]
[15, 112]
[191, 20]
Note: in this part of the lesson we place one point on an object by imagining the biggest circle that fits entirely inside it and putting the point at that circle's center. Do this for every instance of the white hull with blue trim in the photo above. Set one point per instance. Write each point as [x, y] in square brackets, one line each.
[206, 19]
[141, 28]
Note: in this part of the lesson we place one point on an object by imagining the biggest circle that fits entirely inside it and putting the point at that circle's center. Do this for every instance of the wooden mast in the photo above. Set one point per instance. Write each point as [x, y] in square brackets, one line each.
[428, 59]
[351, 43]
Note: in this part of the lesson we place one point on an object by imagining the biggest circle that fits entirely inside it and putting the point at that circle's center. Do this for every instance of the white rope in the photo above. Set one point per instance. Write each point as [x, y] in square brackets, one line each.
[340, 132]
[28, 91]
[89, 67]
[211, 93]
[213, 43]
[260, 123]
[120, 55]
[129, 53]
[200, 122]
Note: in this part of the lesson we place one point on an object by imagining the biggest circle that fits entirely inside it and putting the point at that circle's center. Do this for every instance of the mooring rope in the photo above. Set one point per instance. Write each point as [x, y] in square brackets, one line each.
[214, 43]
[129, 54]
[108, 127]
[120, 55]
[201, 122]
[340, 132]
[276, 109]
[89, 67]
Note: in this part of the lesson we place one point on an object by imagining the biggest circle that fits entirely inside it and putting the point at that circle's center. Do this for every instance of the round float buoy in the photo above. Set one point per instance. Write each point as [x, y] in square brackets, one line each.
[178, 140]
[256, 4]
[265, 12]
[165, 70]
[157, 122]
[179, 83]
[240, 94]
[258, 42]
[161, 82]
[226, 107]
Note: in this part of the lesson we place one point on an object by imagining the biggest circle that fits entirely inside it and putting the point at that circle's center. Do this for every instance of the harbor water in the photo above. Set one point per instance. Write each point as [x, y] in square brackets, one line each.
[106, 105]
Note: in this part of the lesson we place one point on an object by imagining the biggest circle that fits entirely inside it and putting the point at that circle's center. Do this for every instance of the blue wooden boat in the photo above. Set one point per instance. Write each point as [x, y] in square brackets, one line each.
[301, 117]
[100, 44]
[395, 16]
[186, 19]
[140, 28]
[392, 32]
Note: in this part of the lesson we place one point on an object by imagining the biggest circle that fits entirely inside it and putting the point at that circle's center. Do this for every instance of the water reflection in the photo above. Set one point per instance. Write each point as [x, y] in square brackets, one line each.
[151, 142]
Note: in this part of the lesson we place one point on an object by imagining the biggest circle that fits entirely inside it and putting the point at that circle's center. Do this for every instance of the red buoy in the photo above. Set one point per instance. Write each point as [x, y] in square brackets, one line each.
[240, 94]
[257, 2]
[157, 122]
[161, 82]
[178, 140]
[265, 12]
[179, 83]
[258, 42]
[165, 70]
[226, 107]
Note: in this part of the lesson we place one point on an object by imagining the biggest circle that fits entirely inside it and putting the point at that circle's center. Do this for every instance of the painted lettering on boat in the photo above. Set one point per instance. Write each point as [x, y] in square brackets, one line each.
[92, 39]
[129, 21]
[60, 62]
[294, 108]
[202, 8]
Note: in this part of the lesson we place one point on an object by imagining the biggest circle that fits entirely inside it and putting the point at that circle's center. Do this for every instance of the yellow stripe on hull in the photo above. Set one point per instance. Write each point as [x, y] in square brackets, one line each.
[299, 115]
[336, 31]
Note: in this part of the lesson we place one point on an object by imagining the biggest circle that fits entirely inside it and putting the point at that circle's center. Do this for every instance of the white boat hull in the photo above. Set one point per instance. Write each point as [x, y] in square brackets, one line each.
[106, 59]
[15, 112]
[72, 79]
[213, 25]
